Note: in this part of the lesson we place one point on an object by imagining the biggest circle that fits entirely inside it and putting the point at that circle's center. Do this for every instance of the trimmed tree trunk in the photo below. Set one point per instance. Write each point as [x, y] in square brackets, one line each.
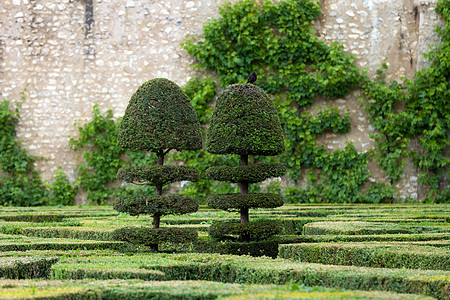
[157, 217]
[244, 190]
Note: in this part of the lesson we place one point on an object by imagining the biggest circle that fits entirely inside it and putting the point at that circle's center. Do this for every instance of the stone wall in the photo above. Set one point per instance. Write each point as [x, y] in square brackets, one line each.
[70, 54]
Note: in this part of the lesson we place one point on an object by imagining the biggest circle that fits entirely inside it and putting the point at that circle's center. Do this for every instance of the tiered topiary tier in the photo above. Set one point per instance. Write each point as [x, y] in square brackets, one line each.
[159, 118]
[245, 122]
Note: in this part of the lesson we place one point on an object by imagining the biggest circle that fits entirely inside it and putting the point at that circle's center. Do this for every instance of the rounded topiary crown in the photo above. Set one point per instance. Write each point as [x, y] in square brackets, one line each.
[160, 116]
[244, 122]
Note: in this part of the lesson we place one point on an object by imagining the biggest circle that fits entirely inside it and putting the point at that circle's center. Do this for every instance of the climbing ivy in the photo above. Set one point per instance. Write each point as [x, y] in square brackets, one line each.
[427, 112]
[274, 39]
[417, 110]
[382, 105]
[20, 183]
[101, 155]
[277, 41]
[61, 190]
[201, 91]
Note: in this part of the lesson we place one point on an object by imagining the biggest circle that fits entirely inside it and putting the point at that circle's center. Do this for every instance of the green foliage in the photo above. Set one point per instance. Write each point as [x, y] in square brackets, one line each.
[53, 292]
[201, 91]
[202, 160]
[67, 233]
[235, 202]
[425, 115]
[27, 267]
[343, 173]
[150, 284]
[62, 192]
[161, 205]
[257, 230]
[267, 248]
[379, 193]
[427, 111]
[148, 236]
[375, 255]
[157, 175]
[277, 41]
[400, 250]
[249, 173]
[391, 142]
[302, 131]
[363, 228]
[159, 117]
[46, 244]
[295, 66]
[244, 122]
[102, 156]
[332, 176]
[20, 183]
[262, 270]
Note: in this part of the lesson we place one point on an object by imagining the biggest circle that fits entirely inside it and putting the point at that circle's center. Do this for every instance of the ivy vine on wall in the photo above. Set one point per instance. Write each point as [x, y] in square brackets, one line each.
[277, 40]
[424, 117]
[20, 183]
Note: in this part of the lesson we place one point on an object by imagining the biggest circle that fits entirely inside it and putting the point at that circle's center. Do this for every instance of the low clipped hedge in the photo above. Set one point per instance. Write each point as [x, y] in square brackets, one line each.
[361, 228]
[38, 218]
[260, 270]
[69, 233]
[233, 202]
[177, 290]
[153, 204]
[26, 267]
[148, 236]
[61, 244]
[257, 230]
[55, 292]
[109, 273]
[250, 173]
[157, 175]
[267, 248]
[421, 237]
[205, 290]
[377, 255]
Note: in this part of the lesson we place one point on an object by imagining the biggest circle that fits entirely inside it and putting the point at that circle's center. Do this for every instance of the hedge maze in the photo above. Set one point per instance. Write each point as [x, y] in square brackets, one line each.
[323, 251]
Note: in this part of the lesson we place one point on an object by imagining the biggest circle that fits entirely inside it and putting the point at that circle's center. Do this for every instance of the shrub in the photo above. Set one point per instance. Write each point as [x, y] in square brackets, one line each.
[244, 122]
[62, 192]
[20, 183]
[159, 118]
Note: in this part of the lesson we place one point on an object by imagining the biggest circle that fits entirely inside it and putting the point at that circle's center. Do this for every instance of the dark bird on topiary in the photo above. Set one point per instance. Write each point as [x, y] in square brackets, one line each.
[252, 78]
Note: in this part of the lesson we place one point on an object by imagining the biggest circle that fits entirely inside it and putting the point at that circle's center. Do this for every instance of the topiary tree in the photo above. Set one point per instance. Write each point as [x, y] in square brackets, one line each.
[159, 118]
[245, 122]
